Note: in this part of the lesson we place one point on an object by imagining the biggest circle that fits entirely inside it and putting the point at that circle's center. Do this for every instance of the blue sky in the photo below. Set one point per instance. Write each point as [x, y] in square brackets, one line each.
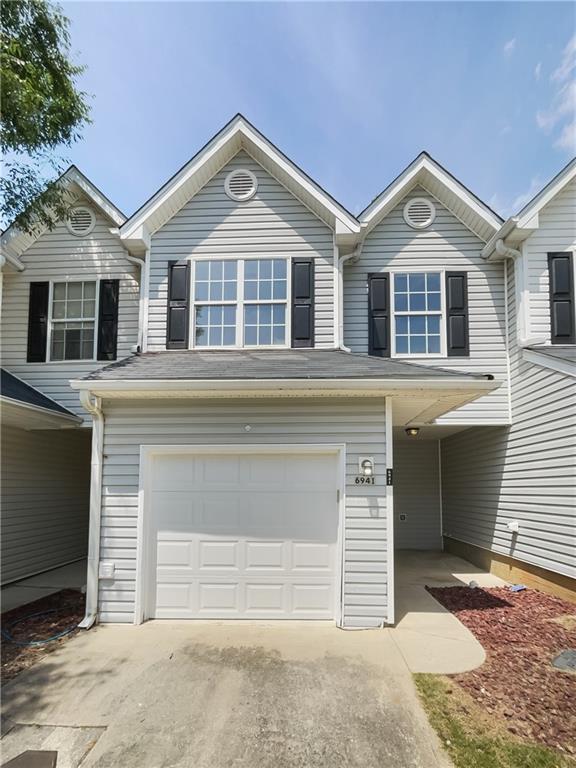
[350, 91]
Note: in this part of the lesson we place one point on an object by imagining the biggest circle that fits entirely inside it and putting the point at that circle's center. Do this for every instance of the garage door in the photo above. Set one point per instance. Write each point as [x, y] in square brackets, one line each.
[244, 536]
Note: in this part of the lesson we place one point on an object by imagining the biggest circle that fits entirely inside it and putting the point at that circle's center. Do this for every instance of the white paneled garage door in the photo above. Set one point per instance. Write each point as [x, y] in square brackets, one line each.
[249, 535]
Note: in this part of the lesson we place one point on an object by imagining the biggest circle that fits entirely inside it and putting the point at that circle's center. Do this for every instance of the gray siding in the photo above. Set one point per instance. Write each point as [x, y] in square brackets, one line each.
[273, 222]
[556, 232]
[58, 255]
[45, 499]
[417, 495]
[526, 472]
[446, 245]
[360, 424]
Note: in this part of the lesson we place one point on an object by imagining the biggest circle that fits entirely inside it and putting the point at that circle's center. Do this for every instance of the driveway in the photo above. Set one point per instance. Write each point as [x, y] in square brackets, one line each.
[209, 695]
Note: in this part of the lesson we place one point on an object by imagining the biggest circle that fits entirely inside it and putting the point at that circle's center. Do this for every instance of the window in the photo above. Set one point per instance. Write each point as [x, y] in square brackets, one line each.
[418, 313]
[72, 321]
[240, 303]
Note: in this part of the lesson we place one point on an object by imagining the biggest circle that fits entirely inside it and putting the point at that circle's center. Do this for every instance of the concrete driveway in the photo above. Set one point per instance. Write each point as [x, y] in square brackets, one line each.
[169, 695]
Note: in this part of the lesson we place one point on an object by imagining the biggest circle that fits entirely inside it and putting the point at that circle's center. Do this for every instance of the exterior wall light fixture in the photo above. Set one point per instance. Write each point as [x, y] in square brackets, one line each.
[366, 466]
[412, 431]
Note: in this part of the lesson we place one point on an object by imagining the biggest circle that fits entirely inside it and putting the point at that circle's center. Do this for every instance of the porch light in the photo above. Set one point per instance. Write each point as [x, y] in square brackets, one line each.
[366, 466]
[412, 431]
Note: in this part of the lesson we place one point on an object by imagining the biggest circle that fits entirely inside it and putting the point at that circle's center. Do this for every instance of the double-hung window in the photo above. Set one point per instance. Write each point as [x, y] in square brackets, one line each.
[240, 302]
[73, 321]
[418, 319]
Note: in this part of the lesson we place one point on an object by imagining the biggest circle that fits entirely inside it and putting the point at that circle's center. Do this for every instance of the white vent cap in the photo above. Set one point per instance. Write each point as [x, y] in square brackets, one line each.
[241, 184]
[81, 220]
[419, 213]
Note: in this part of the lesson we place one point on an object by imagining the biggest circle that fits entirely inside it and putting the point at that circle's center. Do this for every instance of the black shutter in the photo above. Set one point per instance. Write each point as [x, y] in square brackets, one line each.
[108, 319]
[302, 302]
[561, 278]
[178, 301]
[38, 322]
[458, 342]
[379, 314]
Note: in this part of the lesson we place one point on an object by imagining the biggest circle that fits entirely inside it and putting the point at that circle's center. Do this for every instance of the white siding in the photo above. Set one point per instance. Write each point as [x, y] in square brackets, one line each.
[58, 255]
[359, 424]
[556, 232]
[45, 499]
[526, 472]
[273, 222]
[417, 494]
[446, 245]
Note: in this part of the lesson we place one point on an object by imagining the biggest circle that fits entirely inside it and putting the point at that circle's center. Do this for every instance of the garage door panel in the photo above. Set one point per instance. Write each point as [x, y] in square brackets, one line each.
[260, 545]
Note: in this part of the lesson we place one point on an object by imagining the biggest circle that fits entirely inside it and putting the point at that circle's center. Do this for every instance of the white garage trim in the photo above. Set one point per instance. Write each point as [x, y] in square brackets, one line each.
[390, 511]
[149, 452]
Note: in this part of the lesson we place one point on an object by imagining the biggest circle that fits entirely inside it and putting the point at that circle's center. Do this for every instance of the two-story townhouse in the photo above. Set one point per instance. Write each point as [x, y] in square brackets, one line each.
[303, 382]
[70, 304]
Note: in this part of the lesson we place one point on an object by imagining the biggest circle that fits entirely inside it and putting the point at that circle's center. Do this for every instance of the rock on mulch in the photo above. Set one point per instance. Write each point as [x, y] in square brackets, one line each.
[521, 633]
[65, 609]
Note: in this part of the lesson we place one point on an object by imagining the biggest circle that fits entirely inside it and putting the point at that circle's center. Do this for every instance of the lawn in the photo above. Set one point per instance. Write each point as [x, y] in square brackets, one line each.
[516, 710]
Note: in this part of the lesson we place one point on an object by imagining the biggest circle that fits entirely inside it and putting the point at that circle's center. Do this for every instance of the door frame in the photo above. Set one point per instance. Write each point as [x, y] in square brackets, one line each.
[145, 575]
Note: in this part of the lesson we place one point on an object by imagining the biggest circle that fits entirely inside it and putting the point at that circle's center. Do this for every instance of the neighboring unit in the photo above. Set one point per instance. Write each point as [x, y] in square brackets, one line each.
[250, 459]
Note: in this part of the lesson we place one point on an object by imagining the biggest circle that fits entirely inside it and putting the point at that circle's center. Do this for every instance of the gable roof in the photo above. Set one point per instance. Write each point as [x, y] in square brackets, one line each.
[517, 228]
[426, 172]
[238, 134]
[14, 241]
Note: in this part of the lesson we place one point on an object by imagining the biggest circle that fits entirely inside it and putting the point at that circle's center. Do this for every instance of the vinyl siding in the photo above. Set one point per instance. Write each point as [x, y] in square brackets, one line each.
[272, 223]
[417, 495]
[556, 232]
[359, 424]
[526, 472]
[45, 499]
[58, 255]
[446, 245]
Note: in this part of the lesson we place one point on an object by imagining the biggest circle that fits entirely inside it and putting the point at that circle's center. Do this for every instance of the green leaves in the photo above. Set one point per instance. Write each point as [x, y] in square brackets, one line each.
[42, 109]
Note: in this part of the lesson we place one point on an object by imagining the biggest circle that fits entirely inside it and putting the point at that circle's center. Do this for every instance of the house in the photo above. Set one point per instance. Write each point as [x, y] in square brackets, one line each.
[312, 390]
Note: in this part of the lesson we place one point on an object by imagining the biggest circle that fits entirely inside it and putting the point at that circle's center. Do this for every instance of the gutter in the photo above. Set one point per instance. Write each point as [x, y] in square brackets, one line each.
[355, 255]
[95, 409]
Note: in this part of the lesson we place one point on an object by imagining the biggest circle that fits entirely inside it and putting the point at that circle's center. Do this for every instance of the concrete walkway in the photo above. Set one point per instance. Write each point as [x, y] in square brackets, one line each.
[209, 695]
[429, 637]
[71, 576]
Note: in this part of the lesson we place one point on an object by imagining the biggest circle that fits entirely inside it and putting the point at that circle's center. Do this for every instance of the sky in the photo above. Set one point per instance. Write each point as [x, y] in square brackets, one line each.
[351, 91]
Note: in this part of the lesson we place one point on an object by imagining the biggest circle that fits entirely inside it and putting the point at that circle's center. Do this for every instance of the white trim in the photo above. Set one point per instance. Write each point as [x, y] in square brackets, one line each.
[567, 367]
[408, 313]
[143, 543]
[239, 302]
[440, 497]
[532, 208]
[390, 512]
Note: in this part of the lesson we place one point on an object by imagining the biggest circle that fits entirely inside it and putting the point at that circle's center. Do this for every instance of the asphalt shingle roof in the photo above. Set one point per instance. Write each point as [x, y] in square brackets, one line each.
[16, 389]
[559, 351]
[266, 364]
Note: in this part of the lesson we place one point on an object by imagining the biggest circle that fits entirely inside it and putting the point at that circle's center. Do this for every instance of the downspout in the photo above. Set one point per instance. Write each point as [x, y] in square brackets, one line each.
[140, 264]
[94, 408]
[355, 255]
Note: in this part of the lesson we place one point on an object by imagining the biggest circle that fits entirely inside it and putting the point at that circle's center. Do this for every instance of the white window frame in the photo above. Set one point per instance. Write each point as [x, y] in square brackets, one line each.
[51, 321]
[408, 313]
[240, 301]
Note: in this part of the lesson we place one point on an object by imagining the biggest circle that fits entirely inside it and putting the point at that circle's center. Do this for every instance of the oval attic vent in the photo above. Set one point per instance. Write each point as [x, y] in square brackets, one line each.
[419, 213]
[241, 184]
[81, 220]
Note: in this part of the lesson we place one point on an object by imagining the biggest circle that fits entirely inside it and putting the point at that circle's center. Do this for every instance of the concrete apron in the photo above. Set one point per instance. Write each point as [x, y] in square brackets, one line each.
[219, 694]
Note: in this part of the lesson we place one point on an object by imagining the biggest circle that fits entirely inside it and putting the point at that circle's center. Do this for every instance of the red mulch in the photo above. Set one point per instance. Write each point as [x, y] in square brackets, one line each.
[68, 605]
[518, 682]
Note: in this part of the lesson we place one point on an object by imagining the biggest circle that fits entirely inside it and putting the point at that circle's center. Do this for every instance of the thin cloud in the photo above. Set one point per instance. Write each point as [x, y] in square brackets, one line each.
[538, 71]
[511, 207]
[509, 47]
[560, 116]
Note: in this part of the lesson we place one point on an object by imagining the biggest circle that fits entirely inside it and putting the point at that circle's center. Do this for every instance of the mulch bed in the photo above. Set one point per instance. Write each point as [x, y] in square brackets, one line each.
[521, 633]
[68, 607]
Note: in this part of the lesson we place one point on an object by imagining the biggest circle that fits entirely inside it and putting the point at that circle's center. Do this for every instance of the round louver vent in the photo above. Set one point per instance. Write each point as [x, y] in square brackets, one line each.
[241, 184]
[81, 221]
[419, 213]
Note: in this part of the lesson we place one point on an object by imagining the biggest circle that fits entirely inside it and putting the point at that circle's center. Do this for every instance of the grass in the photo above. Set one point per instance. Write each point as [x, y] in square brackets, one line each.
[471, 738]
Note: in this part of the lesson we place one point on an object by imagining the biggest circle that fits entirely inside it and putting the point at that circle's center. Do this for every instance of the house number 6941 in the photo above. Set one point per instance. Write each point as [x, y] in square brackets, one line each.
[363, 480]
